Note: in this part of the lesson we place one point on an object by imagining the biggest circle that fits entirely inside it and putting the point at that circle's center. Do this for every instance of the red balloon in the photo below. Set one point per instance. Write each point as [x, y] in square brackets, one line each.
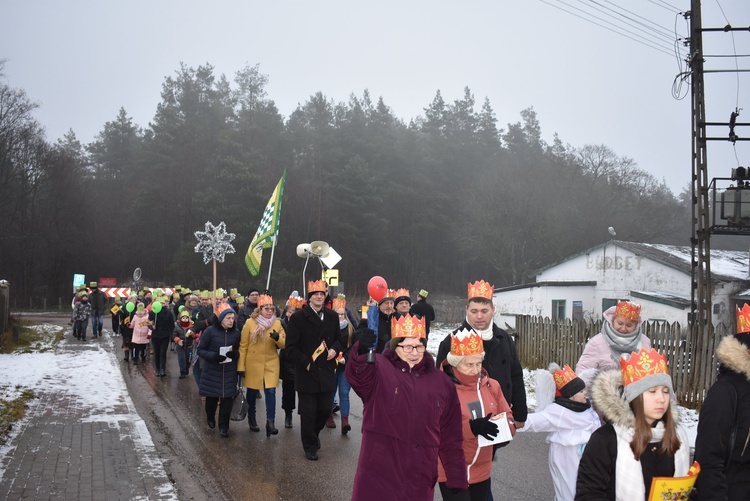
[377, 288]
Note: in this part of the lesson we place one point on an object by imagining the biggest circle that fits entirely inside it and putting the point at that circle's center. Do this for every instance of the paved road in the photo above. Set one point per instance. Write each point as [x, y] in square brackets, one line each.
[202, 465]
[250, 466]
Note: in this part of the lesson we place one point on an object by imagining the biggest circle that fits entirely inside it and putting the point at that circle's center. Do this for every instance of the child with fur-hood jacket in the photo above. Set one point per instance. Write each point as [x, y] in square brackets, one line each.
[641, 439]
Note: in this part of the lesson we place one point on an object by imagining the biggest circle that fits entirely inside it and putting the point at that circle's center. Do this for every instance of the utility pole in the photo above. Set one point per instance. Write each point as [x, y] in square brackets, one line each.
[701, 249]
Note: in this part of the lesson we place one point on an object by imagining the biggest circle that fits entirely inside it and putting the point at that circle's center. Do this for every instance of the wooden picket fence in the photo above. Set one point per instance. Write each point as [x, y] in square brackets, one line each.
[540, 341]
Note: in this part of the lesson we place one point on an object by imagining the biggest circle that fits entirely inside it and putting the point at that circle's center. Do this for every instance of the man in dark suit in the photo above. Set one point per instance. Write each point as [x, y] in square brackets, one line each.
[312, 343]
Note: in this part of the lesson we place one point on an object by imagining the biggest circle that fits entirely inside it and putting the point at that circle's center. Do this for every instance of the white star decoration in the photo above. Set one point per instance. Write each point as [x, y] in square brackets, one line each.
[214, 242]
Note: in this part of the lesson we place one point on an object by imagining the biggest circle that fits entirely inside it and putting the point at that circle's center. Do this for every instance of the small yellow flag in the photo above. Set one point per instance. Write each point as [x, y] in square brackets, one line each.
[319, 350]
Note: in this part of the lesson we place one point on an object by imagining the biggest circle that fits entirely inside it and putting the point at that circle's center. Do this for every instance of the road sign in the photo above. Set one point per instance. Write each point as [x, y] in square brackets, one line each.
[78, 279]
[331, 277]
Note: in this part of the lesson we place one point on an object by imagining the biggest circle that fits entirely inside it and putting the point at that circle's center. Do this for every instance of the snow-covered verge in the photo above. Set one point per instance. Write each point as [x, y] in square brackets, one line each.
[91, 378]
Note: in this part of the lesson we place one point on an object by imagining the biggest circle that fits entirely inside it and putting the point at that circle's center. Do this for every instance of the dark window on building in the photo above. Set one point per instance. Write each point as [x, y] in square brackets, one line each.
[558, 309]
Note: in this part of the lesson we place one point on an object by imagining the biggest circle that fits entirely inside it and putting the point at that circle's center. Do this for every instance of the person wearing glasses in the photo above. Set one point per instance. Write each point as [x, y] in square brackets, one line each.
[411, 417]
[261, 338]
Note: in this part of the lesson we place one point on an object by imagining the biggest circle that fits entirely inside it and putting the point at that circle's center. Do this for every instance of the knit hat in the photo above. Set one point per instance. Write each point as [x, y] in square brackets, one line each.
[401, 295]
[567, 383]
[251, 290]
[464, 343]
[642, 371]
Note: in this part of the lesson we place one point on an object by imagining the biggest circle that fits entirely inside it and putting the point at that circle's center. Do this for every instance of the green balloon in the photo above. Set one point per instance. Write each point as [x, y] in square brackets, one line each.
[182, 307]
[156, 307]
[130, 307]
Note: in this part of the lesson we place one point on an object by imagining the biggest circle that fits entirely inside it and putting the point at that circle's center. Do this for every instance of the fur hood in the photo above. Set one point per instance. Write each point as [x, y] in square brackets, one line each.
[606, 397]
[734, 355]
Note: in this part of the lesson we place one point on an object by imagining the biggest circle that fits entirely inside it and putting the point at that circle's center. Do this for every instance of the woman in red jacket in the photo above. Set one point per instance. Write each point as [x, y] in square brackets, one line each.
[481, 398]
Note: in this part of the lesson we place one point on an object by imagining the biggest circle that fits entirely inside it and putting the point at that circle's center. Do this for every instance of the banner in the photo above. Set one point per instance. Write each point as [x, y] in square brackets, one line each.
[268, 229]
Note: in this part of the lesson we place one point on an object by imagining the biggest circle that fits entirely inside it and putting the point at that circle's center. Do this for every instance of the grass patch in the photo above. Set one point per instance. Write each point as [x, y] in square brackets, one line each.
[31, 338]
[12, 410]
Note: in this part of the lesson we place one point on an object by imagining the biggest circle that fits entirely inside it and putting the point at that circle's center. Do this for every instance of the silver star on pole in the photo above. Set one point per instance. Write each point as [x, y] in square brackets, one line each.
[214, 242]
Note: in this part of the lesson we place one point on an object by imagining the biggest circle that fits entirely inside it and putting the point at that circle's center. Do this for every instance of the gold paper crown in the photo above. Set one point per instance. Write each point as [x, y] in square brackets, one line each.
[296, 302]
[339, 302]
[466, 342]
[264, 300]
[743, 319]
[220, 308]
[408, 326]
[563, 376]
[390, 294]
[401, 292]
[643, 364]
[316, 286]
[626, 309]
[481, 289]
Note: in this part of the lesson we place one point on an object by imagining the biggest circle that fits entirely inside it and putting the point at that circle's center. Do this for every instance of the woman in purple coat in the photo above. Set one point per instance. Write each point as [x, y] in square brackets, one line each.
[411, 417]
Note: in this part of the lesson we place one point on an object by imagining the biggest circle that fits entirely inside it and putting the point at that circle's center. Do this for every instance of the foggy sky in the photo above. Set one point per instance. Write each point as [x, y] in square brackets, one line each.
[83, 60]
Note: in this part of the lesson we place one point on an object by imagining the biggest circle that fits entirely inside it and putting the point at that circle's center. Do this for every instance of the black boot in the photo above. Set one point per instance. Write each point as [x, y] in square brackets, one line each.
[271, 429]
[253, 423]
[288, 420]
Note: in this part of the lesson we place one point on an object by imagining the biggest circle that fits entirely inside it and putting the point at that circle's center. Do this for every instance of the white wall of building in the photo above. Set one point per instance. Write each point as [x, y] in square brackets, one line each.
[617, 271]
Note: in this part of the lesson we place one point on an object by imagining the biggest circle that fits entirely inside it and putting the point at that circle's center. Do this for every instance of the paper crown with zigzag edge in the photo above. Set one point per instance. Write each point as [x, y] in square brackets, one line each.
[743, 319]
[221, 308]
[466, 342]
[563, 377]
[296, 302]
[408, 326]
[339, 302]
[628, 310]
[264, 300]
[317, 286]
[480, 289]
[642, 364]
[398, 293]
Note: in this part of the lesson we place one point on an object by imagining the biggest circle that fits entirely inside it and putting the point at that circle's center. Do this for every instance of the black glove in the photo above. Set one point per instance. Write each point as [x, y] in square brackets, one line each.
[459, 495]
[233, 355]
[219, 358]
[366, 341]
[274, 335]
[241, 373]
[483, 426]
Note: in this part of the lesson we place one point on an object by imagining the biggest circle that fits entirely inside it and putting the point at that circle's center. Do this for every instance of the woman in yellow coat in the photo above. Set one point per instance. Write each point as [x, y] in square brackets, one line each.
[262, 336]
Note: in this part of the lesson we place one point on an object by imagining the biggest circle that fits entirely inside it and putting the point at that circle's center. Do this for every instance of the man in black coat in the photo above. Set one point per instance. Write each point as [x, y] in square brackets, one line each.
[97, 300]
[423, 309]
[312, 343]
[501, 358]
[721, 443]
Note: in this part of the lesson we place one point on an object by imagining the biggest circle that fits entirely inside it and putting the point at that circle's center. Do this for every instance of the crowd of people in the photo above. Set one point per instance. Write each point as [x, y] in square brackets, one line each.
[612, 424]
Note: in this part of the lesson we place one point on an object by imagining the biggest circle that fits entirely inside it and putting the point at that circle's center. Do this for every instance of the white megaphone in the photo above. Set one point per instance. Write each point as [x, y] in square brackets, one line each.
[303, 250]
[319, 248]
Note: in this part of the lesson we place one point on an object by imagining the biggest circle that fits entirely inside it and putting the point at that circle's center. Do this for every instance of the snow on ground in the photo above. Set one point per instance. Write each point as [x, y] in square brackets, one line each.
[688, 417]
[93, 377]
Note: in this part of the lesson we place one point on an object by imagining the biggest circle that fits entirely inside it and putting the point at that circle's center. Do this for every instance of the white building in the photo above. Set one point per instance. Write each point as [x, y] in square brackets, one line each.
[655, 276]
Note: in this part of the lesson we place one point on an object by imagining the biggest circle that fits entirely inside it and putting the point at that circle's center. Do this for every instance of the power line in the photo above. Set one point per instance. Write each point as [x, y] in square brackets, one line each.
[648, 30]
[662, 31]
[639, 40]
[665, 5]
[669, 39]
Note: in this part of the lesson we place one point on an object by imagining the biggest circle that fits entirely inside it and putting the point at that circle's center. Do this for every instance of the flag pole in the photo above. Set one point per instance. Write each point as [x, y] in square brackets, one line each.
[270, 262]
